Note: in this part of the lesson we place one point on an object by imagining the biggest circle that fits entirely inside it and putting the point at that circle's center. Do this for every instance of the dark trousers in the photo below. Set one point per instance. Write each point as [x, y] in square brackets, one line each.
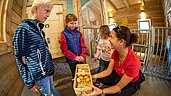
[73, 67]
[128, 90]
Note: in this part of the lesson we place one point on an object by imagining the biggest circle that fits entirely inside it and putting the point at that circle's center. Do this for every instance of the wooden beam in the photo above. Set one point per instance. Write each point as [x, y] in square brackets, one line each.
[126, 3]
[89, 2]
[97, 13]
[142, 2]
[87, 16]
[104, 11]
[94, 10]
[102, 15]
[24, 9]
[78, 11]
[142, 5]
[75, 9]
[159, 1]
[113, 5]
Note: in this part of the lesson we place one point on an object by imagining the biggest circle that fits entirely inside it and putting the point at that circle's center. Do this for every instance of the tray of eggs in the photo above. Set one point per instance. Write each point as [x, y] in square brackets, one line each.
[83, 79]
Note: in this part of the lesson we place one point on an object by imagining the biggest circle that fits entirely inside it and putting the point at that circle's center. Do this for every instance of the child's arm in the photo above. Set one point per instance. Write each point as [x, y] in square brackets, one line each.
[99, 48]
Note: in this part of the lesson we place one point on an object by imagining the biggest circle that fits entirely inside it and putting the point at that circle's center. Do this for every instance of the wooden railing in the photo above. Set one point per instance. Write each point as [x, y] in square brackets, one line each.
[153, 47]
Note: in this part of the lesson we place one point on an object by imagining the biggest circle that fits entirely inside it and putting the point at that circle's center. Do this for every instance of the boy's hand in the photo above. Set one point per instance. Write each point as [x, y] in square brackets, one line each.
[79, 58]
[33, 89]
[24, 59]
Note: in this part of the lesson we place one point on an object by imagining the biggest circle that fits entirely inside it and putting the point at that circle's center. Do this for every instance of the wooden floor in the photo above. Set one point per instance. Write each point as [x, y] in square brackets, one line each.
[152, 86]
[155, 86]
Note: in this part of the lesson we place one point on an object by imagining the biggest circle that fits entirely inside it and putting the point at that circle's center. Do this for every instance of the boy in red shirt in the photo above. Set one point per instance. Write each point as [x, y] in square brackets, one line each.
[72, 43]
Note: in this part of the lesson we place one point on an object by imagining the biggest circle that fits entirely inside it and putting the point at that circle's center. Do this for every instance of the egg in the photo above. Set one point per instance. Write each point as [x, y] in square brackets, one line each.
[87, 79]
[83, 71]
[78, 80]
[79, 74]
[81, 77]
[79, 70]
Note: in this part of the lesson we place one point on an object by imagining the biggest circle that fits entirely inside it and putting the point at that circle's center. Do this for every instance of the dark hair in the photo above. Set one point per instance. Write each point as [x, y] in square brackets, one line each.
[104, 29]
[123, 32]
[70, 17]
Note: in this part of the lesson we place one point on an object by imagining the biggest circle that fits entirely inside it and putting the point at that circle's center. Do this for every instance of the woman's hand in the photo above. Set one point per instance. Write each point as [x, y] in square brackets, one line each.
[94, 59]
[93, 76]
[96, 91]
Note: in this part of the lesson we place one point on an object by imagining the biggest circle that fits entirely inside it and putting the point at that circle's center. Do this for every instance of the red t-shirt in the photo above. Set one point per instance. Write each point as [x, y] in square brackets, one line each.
[130, 66]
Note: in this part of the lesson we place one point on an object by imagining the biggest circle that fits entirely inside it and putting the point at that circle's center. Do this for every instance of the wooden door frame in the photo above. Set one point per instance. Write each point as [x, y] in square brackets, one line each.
[5, 11]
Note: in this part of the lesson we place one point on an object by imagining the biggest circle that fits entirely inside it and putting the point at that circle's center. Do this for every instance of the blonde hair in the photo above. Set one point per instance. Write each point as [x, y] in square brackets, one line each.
[39, 3]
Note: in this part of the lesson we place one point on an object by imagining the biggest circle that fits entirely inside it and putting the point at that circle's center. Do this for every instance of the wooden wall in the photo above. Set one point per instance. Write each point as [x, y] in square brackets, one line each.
[153, 10]
[11, 83]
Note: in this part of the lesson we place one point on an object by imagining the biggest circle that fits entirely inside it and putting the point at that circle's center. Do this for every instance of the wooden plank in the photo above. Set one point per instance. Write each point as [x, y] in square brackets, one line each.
[64, 3]
[87, 16]
[8, 79]
[13, 28]
[89, 2]
[3, 48]
[1, 8]
[17, 88]
[113, 5]
[101, 7]
[142, 3]
[20, 2]
[8, 33]
[152, 11]
[5, 39]
[79, 13]
[126, 3]
[94, 10]
[10, 5]
[6, 61]
[80, 23]
[15, 18]
[75, 7]
[24, 8]
[17, 8]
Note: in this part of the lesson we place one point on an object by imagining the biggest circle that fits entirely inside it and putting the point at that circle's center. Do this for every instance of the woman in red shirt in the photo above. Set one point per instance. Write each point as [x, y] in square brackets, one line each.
[123, 74]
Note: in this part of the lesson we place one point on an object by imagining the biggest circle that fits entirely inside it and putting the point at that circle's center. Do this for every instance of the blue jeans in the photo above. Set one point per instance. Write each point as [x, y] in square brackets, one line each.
[46, 86]
[103, 65]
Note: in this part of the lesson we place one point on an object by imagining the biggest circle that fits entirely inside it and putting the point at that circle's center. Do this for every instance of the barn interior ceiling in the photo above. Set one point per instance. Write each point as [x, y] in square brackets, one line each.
[114, 5]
